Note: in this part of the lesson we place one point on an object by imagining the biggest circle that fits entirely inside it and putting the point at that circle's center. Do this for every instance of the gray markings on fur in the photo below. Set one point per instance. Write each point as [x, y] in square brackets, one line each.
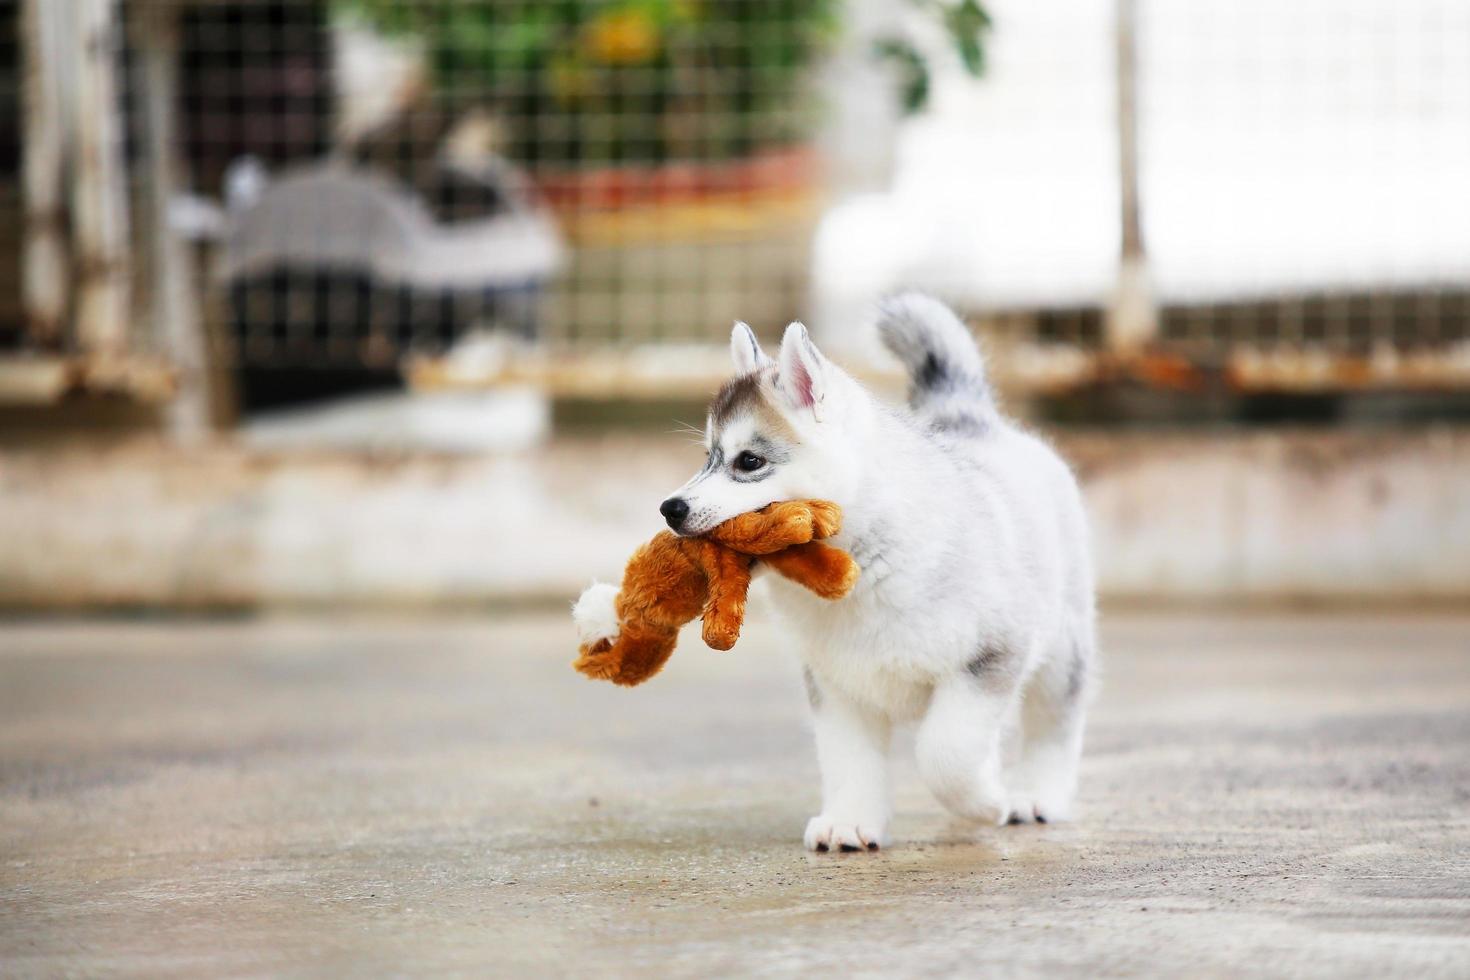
[734, 395]
[870, 552]
[946, 371]
[960, 424]
[767, 450]
[764, 473]
[931, 375]
[1076, 673]
[755, 347]
[991, 660]
[985, 661]
[714, 460]
[813, 692]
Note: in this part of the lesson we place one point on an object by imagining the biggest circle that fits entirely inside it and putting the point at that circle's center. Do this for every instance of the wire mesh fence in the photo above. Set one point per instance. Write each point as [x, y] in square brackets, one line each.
[397, 176]
[353, 181]
[1306, 172]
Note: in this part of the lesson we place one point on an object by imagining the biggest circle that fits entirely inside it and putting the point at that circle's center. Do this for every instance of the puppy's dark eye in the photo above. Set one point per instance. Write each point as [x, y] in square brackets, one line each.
[749, 462]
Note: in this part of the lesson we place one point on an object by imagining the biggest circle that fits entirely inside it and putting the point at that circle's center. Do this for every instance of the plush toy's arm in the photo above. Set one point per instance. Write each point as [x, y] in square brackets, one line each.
[826, 518]
[729, 581]
[829, 572]
[779, 525]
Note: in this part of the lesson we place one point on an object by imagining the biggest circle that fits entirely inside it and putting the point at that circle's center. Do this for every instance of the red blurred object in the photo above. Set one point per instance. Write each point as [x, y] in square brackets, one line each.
[615, 188]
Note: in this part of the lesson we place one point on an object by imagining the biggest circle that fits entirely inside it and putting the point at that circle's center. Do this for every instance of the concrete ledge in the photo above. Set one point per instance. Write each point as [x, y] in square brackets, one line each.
[1300, 515]
[1381, 515]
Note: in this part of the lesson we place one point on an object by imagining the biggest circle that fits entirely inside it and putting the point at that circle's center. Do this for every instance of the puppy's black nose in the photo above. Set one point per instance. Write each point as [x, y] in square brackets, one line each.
[675, 509]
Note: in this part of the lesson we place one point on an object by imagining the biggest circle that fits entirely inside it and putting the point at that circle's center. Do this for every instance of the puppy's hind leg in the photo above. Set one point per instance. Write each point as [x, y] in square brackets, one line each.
[1043, 780]
[959, 739]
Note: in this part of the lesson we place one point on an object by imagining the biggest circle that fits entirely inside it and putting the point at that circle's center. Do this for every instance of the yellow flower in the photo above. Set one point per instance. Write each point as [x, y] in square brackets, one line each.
[622, 37]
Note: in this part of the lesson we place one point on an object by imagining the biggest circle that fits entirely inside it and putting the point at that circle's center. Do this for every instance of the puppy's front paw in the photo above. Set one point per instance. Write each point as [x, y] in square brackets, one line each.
[825, 833]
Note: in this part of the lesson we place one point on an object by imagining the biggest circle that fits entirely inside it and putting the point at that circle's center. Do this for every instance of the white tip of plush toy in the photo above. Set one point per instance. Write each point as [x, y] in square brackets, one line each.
[596, 613]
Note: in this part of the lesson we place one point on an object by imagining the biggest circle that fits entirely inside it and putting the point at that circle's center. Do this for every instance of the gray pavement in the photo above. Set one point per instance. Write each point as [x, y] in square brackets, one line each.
[1278, 794]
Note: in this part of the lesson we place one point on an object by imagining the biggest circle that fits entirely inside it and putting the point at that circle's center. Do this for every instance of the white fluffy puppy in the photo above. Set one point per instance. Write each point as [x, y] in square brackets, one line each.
[973, 617]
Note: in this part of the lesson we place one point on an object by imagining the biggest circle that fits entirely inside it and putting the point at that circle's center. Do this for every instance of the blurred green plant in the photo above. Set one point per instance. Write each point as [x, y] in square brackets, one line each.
[595, 82]
[592, 82]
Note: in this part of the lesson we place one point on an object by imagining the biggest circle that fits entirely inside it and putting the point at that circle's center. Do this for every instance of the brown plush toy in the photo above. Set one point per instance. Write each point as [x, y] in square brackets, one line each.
[628, 635]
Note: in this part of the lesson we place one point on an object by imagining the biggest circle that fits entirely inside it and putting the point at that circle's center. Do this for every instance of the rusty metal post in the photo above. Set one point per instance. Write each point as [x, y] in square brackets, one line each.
[99, 192]
[45, 263]
[177, 320]
[1133, 319]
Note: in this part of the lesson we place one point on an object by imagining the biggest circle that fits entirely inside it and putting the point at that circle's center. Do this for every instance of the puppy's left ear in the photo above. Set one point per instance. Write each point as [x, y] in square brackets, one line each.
[804, 374]
[745, 350]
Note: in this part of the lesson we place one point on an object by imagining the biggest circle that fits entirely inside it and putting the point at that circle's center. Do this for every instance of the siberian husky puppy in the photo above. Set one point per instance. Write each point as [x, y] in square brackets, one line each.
[973, 617]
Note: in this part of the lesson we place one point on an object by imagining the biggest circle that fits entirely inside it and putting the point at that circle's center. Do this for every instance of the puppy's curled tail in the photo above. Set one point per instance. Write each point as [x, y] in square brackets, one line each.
[947, 385]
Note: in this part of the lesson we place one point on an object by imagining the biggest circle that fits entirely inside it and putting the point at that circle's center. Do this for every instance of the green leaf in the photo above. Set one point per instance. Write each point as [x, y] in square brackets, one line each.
[913, 70]
[967, 23]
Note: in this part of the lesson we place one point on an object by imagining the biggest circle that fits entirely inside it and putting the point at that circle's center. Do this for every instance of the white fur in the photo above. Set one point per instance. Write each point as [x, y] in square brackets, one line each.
[745, 350]
[595, 613]
[969, 542]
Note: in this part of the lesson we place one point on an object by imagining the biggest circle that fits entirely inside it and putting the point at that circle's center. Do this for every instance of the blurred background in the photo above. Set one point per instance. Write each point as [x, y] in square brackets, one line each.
[394, 302]
[399, 312]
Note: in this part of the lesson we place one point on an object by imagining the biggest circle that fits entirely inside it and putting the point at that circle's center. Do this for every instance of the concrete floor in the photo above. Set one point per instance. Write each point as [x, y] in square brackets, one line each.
[1285, 795]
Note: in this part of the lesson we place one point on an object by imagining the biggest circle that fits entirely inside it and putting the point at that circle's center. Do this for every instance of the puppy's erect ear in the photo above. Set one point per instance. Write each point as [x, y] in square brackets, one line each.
[804, 373]
[745, 350]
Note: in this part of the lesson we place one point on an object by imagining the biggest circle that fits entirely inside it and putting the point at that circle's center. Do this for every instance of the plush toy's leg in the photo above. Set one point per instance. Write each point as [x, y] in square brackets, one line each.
[632, 659]
[829, 572]
[729, 581]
